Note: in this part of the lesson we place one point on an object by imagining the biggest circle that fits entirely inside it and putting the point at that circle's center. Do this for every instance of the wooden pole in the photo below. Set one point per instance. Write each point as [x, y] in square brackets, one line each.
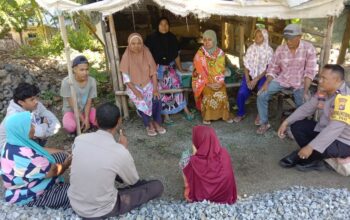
[241, 44]
[109, 47]
[70, 71]
[328, 45]
[345, 41]
[117, 60]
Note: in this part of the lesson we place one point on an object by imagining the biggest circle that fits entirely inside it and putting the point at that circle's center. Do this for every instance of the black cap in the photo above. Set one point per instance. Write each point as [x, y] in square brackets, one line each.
[79, 60]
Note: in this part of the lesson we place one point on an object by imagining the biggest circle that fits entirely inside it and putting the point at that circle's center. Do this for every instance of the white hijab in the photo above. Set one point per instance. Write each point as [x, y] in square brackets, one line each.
[258, 56]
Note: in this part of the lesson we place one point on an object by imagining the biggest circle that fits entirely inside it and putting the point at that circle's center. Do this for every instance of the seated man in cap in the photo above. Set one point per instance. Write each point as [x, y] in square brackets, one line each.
[44, 121]
[293, 66]
[330, 136]
[85, 88]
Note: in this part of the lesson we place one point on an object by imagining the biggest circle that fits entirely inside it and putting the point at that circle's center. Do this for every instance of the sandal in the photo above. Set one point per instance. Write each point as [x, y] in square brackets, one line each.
[230, 121]
[151, 132]
[161, 130]
[169, 122]
[189, 117]
[206, 122]
[263, 128]
[257, 121]
[238, 118]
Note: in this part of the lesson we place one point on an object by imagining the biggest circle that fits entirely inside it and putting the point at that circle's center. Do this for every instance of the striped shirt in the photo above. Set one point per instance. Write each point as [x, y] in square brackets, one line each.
[290, 69]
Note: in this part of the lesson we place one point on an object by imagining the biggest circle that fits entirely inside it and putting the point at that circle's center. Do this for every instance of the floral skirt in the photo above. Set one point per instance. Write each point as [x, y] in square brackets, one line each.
[172, 103]
[215, 104]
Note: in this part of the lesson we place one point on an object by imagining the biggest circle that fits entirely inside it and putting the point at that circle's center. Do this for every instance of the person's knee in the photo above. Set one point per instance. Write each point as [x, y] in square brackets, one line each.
[157, 188]
[70, 127]
[296, 127]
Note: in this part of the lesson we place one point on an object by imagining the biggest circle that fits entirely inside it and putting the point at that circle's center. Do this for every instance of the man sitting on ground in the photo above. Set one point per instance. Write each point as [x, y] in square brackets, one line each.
[293, 66]
[330, 136]
[25, 99]
[98, 160]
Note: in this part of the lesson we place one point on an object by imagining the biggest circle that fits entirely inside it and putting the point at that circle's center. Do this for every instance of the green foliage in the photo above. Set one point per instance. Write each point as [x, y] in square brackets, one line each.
[78, 39]
[47, 95]
[100, 76]
[15, 14]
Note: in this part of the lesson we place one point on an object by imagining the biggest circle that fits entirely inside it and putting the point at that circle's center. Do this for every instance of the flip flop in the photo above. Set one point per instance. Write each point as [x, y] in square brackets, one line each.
[263, 128]
[189, 117]
[169, 122]
[161, 130]
[238, 118]
[206, 122]
[151, 132]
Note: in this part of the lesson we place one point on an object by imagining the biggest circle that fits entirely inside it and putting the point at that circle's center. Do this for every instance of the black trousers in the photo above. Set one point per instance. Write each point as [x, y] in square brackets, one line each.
[303, 132]
[134, 196]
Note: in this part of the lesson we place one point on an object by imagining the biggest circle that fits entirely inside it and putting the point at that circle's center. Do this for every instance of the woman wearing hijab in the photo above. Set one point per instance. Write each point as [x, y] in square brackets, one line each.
[208, 80]
[140, 76]
[30, 174]
[208, 173]
[256, 60]
[165, 51]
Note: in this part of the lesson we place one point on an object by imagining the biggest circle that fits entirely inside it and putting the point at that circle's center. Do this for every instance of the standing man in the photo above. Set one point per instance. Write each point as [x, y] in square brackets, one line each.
[99, 161]
[293, 66]
[330, 136]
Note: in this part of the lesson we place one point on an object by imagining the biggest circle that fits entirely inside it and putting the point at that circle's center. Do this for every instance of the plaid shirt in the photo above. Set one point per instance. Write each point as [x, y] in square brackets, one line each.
[290, 69]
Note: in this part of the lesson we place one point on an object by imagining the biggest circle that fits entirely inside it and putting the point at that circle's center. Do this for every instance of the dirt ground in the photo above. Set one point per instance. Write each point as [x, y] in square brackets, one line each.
[254, 158]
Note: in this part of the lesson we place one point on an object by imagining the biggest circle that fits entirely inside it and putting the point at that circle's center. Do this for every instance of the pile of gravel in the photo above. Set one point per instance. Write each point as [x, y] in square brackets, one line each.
[292, 203]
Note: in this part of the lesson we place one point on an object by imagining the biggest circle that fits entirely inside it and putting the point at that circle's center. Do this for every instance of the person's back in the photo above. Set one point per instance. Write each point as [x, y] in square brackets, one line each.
[97, 160]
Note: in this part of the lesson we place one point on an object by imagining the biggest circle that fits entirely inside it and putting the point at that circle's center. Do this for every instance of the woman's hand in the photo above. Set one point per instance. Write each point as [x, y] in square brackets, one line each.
[156, 93]
[86, 124]
[215, 86]
[138, 95]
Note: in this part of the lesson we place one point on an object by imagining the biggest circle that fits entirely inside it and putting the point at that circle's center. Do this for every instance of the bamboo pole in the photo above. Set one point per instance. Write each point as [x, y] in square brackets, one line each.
[109, 47]
[345, 41]
[241, 44]
[117, 60]
[328, 45]
[70, 71]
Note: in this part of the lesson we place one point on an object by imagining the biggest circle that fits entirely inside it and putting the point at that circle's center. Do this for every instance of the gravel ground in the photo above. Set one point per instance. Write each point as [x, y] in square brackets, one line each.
[293, 203]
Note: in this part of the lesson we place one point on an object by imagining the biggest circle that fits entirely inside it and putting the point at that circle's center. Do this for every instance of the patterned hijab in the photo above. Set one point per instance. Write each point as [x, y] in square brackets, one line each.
[258, 56]
[17, 133]
[140, 66]
[212, 35]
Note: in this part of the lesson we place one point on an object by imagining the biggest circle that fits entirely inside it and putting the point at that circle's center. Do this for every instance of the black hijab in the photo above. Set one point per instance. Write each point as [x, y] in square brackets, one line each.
[164, 47]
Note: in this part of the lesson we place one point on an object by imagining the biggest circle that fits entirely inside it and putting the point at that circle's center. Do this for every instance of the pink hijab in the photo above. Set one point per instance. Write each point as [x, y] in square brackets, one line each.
[209, 173]
[140, 66]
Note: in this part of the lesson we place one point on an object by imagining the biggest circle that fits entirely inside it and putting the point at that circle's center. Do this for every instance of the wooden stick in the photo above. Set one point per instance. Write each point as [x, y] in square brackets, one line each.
[330, 26]
[345, 41]
[113, 67]
[70, 72]
[241, 44]
[117, 60]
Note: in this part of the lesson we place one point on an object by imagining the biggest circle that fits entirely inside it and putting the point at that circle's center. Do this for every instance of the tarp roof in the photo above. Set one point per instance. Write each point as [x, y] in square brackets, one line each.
[283, 9]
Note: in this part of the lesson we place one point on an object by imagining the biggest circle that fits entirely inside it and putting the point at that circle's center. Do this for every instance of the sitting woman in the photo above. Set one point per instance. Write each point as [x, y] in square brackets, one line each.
[208, 81]
[208, 173]
[165, 50]
[140, 75]
[85, 88]
[256, 60]
[30, 174]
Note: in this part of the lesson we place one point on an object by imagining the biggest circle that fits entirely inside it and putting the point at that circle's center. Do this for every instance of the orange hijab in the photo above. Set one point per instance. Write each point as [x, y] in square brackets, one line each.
[140, 66]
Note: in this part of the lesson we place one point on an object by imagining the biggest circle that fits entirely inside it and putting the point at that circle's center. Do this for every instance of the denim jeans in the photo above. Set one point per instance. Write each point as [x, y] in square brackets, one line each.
[264, 97]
